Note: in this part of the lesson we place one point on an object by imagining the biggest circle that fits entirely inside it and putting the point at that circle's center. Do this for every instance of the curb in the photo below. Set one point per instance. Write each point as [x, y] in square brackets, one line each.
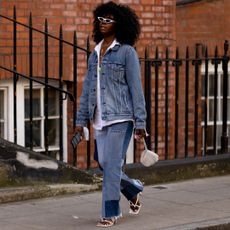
[214, 224]
[42, 191]
[224, 226]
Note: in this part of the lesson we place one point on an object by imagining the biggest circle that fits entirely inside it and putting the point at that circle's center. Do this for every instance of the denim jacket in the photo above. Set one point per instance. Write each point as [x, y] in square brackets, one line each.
[121, 90]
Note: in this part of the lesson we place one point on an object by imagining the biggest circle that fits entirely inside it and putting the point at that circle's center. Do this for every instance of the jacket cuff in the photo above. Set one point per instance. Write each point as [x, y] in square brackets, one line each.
[80, 123]
[140, 125]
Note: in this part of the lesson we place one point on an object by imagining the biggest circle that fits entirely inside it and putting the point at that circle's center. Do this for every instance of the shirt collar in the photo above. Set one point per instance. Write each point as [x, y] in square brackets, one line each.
[113, 44]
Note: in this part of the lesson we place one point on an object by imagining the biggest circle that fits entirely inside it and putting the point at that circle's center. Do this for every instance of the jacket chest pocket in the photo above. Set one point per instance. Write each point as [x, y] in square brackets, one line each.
[93, 70]
[116, 72]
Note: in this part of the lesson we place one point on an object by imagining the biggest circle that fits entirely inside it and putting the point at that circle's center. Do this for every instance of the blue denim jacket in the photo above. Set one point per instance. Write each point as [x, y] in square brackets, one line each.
[121, 90]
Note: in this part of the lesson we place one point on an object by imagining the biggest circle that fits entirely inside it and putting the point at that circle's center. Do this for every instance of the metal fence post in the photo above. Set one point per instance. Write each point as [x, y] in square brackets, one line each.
[215, 62]
[46, 88]
[31, 77]
[186, 101]
[177, 63]
[148, 87]
[196, 62]
[60, 93]
[156, 63]
[74, 92]
[224, 137]
[206, 102]
[15, 79]
[166, 101]
[88, 142]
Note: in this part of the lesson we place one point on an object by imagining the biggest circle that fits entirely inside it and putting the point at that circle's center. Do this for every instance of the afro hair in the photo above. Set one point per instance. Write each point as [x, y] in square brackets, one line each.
[127, 27]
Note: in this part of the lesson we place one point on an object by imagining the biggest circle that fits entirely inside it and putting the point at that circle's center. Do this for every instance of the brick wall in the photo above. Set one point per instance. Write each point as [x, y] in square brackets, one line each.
[157, 18]
[205, 23]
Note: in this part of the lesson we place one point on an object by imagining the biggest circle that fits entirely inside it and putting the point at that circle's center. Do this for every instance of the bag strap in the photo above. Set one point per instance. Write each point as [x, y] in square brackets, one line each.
[145, 144]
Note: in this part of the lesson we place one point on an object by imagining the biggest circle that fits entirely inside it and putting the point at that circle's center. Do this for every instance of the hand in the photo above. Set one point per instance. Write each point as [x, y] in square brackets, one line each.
[139, 134]
[79, 129]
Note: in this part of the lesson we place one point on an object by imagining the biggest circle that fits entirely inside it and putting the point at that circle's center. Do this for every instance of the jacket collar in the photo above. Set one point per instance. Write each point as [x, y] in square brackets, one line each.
[114, 46]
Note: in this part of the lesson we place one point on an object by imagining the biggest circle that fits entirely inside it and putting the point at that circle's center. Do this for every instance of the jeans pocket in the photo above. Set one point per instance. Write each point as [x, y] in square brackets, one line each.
[120, 127]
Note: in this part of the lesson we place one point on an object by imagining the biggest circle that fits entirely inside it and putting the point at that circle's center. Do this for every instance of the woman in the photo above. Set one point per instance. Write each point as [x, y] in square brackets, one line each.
[112, 98]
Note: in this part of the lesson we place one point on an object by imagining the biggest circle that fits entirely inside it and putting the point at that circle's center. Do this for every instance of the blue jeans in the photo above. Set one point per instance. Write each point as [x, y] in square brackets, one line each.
[112, 143]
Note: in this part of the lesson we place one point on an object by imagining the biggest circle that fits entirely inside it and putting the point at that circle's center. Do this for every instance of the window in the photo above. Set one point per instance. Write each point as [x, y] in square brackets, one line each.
[39, 120]
[3, 116]
[23, 116]
[210, 108]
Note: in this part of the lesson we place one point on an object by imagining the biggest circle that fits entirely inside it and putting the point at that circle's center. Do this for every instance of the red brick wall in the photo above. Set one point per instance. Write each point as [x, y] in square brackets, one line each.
[206, 23]
[157, 18]
[203, 22]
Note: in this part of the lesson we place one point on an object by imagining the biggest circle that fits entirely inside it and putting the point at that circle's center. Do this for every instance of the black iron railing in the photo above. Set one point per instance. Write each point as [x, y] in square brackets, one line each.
[73, 95]
[186, 74]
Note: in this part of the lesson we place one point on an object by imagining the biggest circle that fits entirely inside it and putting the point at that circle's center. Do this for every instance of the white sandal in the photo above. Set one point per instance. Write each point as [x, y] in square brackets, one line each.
[135, 207]
[105, 223]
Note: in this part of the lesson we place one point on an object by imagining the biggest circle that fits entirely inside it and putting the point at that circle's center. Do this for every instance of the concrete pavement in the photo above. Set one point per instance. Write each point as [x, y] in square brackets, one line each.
[193, 204]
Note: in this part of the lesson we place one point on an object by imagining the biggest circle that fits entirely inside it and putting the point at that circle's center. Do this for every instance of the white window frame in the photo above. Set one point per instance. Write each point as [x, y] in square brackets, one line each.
[219, 122]
[4, 119]
[7, 86]
[41, 118]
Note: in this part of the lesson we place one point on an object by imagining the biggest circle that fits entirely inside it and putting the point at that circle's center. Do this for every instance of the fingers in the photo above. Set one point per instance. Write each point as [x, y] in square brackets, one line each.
[79, 129]
[137, 137]
[139, 134]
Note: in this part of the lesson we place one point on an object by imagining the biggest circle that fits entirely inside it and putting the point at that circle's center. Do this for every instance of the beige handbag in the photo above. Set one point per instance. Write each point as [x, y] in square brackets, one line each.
[148, 157]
